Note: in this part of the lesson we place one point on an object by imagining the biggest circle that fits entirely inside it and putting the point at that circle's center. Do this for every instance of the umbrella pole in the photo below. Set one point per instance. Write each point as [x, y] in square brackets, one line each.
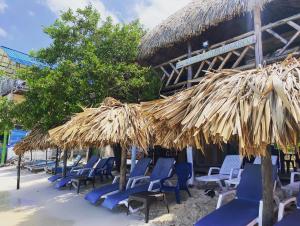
[267, 183]
[123, 170]
[65, 164]
[56, 161]
[19, 172]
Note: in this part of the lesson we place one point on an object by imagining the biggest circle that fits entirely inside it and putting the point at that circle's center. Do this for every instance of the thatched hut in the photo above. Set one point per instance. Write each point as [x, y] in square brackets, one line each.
[111, 123]
[207, 25]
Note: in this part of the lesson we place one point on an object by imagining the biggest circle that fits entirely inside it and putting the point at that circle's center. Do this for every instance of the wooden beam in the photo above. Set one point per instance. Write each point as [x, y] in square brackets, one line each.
[65, 164]
[225, 60]
[276, 35]
[164, 70]
[190, 69]
[294, 25]
[238, 61]
[289, 43]
[170, 78]
[199, 69]
[258, 35]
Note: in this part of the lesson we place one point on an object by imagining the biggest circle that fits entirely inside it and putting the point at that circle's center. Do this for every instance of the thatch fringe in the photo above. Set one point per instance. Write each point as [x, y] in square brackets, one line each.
[259, 107]
[38, 139]
[191, 21]
[112, 123]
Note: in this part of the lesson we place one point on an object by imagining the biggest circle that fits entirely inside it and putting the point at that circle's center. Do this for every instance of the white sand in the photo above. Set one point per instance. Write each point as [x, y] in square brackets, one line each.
[37, 203]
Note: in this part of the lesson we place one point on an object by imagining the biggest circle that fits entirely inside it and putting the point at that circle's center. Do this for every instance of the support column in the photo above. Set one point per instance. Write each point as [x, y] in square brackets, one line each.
[257, 31]
[19, 172]
[65, 164]
[189, 155]
[56, 161]
[4, 147]
[133, 157]
[190, 70]
[123, 170]
[46, 157]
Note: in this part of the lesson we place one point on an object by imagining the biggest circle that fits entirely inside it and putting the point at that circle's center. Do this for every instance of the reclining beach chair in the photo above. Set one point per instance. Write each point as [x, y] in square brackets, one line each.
[139, 170]
[247, 206]
[257, 160]
[102, 168]
[184, 173]
[83, 170]
[163, 169]
[40, 166]
[230, 167]
[292, 219]
[60, 168]
[294, 185]
[75, 169]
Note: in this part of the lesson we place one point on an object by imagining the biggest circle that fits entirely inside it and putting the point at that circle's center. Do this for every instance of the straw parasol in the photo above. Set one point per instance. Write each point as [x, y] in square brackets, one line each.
[191, 21]
[259, 107]
[111, 123]
[38, 139]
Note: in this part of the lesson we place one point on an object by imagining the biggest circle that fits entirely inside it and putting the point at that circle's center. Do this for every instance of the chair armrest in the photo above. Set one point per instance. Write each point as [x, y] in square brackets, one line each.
[222, 196]
[152, 183]
[293, 174]
[139, 179]
[234, 173]
[84, 170]
[211, 169]
[116, 179]
[130, 180]
[282, 206]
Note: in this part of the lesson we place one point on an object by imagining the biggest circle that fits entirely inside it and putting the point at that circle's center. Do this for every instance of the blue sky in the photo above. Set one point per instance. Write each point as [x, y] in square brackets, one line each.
[22, 21]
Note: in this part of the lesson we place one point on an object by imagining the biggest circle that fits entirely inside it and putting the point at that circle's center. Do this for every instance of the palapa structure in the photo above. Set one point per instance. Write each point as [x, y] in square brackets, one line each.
[111, 123]
[211, 25]
[258, 106]
[38, 139]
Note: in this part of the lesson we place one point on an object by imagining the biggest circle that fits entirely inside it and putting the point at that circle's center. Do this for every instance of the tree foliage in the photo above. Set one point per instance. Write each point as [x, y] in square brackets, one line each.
[90, 59]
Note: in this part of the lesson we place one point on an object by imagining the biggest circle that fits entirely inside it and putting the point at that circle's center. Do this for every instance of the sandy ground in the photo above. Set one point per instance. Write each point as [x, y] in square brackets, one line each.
[37, 203]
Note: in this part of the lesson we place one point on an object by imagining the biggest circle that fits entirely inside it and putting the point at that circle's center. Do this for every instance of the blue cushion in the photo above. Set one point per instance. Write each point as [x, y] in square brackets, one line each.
[236, 213]
[292, 219]
[141, 167]
[96, 194]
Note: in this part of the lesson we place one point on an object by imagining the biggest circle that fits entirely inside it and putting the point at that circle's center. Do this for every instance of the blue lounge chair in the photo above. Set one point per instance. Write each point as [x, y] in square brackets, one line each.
[246, 205]
[139, 170]
[60, 169]
[184, 173]
[75, 169]
[292, 219]
[101, 168]
[162, 170]
[84, 170]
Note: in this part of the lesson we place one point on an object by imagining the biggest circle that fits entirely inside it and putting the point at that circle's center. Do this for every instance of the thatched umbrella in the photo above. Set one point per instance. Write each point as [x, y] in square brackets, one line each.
[38, 139]
[258, 107]
[111, 123]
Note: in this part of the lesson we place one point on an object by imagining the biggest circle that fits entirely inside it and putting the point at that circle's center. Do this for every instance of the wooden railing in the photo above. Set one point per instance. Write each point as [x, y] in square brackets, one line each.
[233, 53]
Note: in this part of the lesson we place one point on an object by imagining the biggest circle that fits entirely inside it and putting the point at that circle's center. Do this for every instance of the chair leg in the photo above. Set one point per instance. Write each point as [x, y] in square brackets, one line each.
[177, 194]
[166, 202]
[78, 187]
[188, 191]
[147, 212]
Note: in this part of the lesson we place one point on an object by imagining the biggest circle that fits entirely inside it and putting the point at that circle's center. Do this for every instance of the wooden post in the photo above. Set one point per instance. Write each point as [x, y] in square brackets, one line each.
[189, 154]
[30, 155]
[266, 163]
[65, 164]
[257, 31]
[267, 183]
[46, 157]
[190, 70]
[19, 172]
[123, 169]
[56, 161]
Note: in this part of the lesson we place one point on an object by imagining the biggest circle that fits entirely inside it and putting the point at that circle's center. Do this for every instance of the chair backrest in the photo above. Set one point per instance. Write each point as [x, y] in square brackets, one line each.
[141, 167]
[230, 162]
[298, 200]
[250, 186]
[92, 161]
[77, 160]
[162, 168]
[98, 165]
[274, 160]
[110, 164]
[184, 173]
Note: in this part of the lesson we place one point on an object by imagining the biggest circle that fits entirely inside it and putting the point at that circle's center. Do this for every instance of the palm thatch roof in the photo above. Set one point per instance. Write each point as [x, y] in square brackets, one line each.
[111, 123]
[259, 107]
[191, 21]
[38, 139]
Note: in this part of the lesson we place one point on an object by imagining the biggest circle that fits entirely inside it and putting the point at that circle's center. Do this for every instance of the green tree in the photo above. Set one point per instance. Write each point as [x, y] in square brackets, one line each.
[90, 59]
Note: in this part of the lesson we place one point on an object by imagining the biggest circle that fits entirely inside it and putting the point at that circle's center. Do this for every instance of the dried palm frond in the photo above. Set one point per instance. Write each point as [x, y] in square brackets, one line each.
[112, 123]
[38, 139]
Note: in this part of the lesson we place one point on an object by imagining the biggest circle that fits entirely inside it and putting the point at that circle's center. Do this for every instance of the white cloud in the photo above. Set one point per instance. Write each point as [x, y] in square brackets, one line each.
[3, 6]
[152, 12]
[3, 33]
[56, 6]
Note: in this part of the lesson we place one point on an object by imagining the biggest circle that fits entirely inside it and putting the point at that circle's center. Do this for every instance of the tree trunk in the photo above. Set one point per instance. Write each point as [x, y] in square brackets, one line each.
[267, 183]
[65, 164]
[30, 155]
[19, 172]
[56, 161]
[123, 169]
[46, 157]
